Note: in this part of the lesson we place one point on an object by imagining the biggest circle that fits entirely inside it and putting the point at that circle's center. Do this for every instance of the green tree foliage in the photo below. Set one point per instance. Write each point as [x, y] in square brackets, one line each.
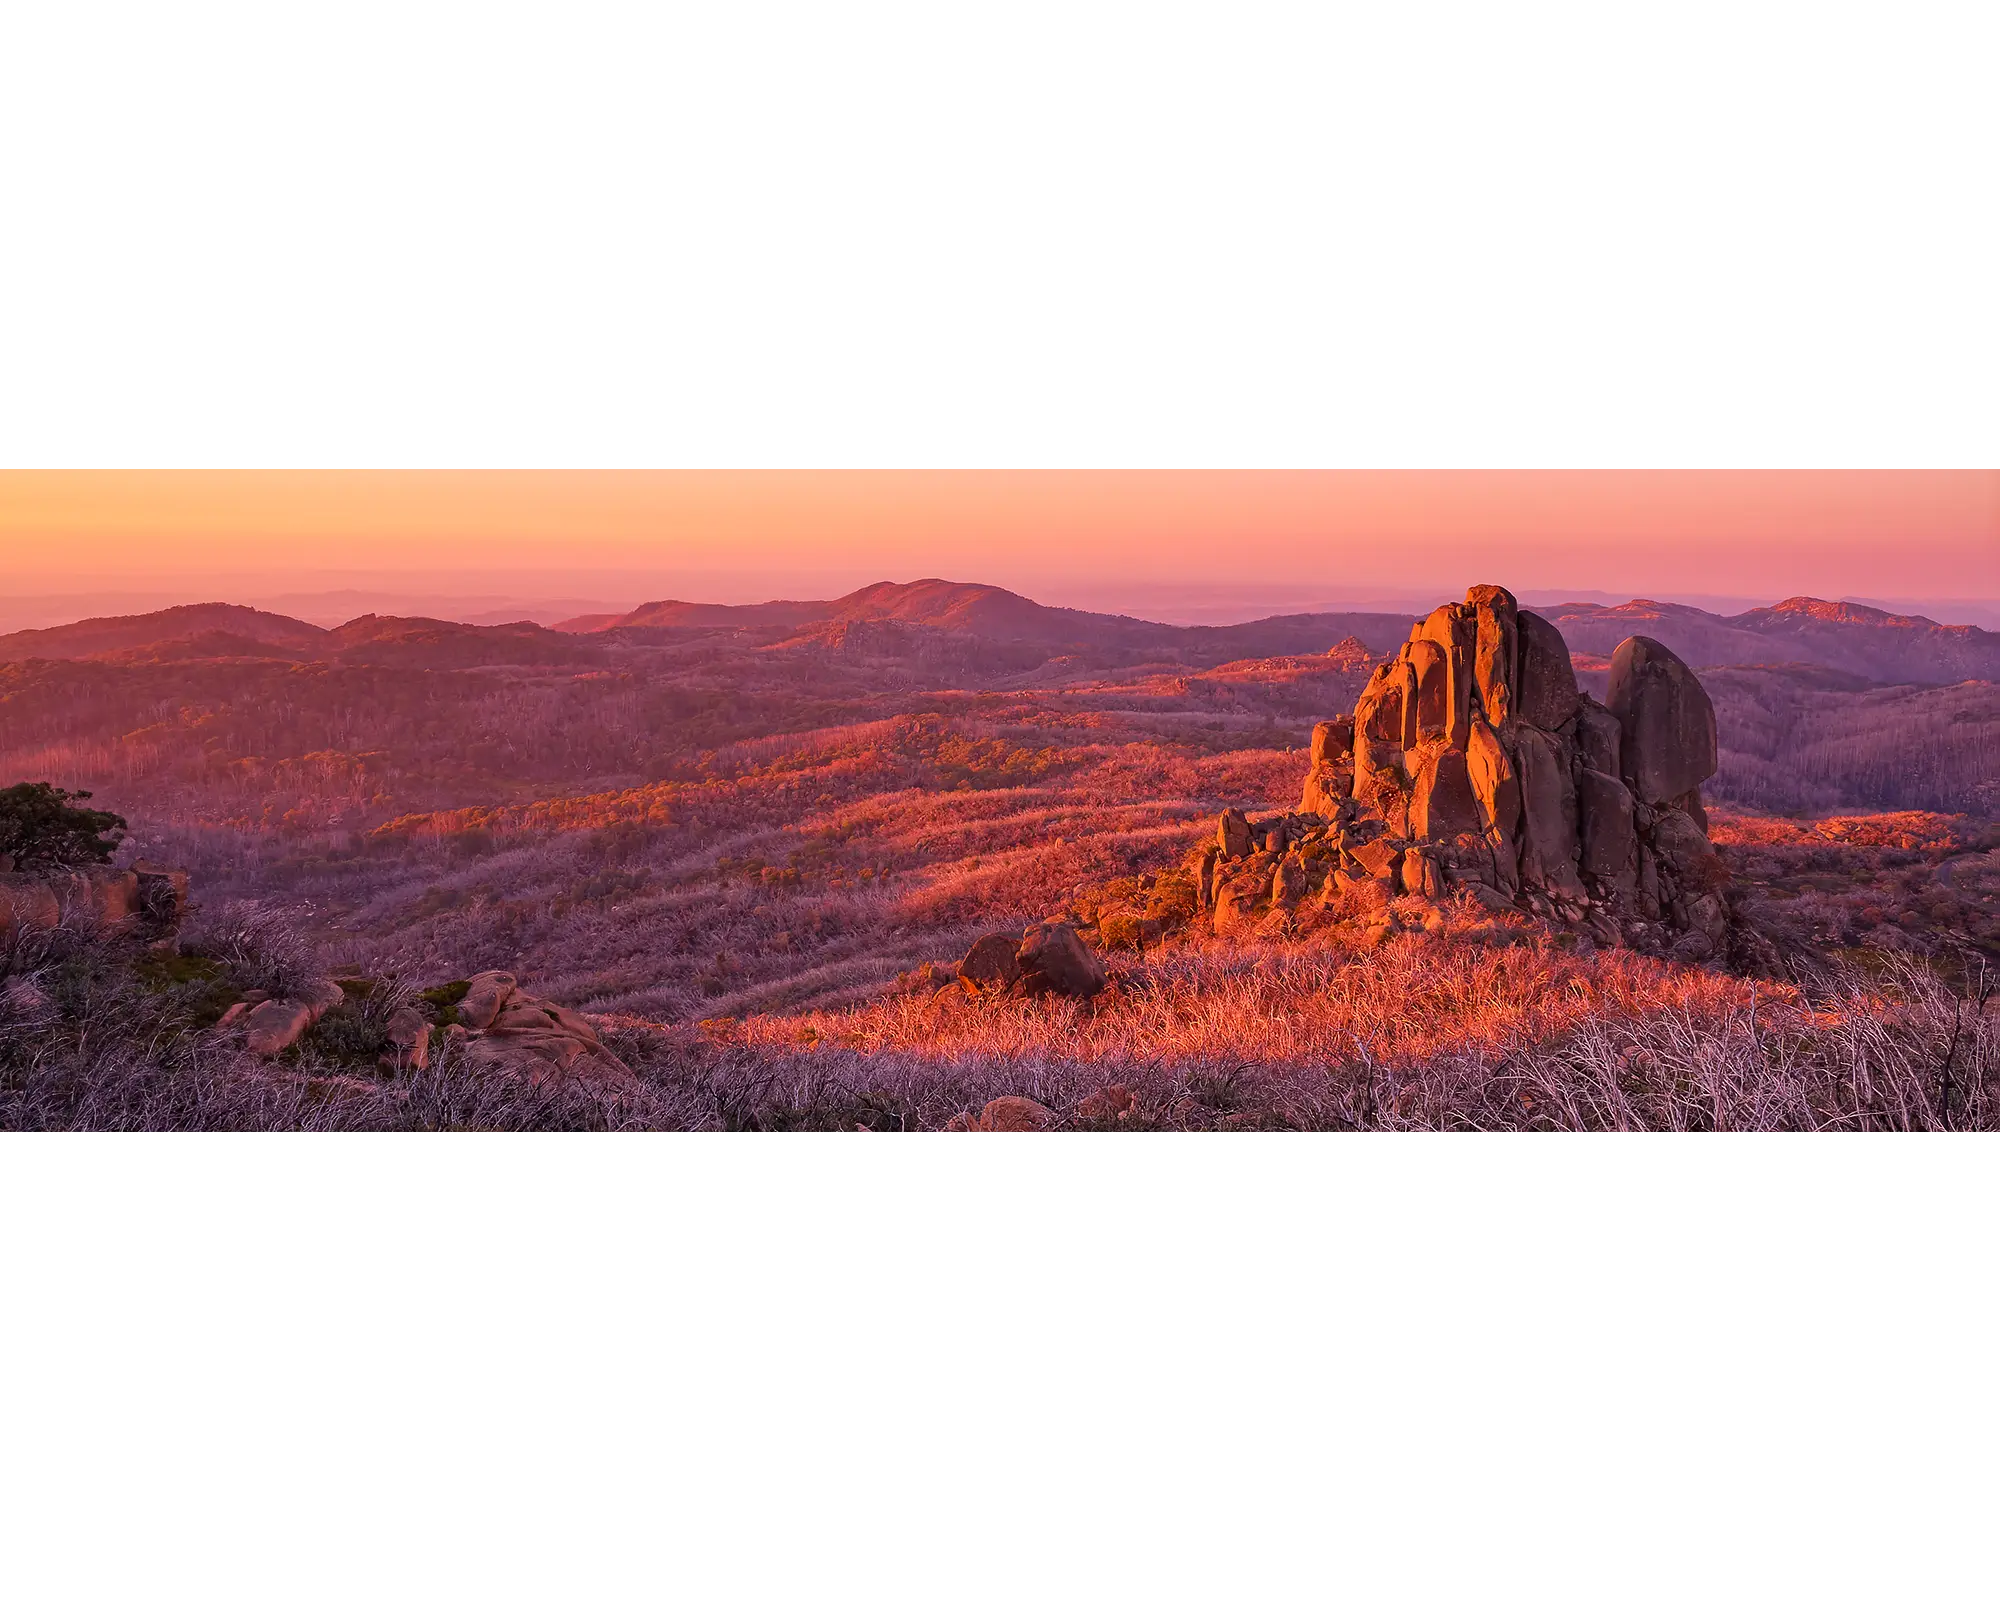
[40, 829]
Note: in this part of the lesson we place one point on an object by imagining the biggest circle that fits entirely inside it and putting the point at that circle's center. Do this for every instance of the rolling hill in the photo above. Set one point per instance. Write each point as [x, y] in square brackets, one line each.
[97, 636]
[1877, 645]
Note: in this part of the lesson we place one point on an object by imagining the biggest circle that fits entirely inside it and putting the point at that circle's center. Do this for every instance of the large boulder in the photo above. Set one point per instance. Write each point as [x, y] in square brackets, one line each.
[26, 903]
[1242, 898]
[1610, 840]
[1443, 803]
[1378, 714]
[1598, 737]
[1332, 739]
[1666, 719]
[1326, 786]
[1545, 695]
[1454, 631]
[1478, 767]
[1491, 774]
[1496, 646]
[1430, 672]
[1682, 847]
[1549, 842]
[1232, 833]
[1055, 961]
[991, 965]
[1330, 777]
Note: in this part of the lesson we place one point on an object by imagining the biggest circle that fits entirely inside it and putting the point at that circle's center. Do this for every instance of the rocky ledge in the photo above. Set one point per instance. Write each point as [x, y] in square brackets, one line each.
[486, 1024]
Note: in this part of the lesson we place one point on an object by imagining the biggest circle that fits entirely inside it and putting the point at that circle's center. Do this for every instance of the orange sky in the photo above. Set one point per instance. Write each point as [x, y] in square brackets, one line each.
[1751, 533]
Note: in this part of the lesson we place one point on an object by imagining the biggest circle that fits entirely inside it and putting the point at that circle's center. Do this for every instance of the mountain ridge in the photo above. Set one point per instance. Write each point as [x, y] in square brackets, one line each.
[1013, 632]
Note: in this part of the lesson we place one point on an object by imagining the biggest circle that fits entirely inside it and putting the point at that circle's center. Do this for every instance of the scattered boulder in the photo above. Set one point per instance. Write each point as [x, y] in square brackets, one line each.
[1378, 857]
[991, 965]
[543, 1057]
[1055, 961]
[1114, 1102]
[112, 894]
[275, 1025]
[1011, 1113]
[321, 997]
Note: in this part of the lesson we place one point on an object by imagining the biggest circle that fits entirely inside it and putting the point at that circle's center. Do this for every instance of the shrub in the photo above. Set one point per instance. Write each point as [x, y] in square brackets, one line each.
[41, 830]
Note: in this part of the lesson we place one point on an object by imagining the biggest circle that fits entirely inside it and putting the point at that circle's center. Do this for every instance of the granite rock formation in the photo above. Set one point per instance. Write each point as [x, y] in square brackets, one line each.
[143, 900]
[1473, 765]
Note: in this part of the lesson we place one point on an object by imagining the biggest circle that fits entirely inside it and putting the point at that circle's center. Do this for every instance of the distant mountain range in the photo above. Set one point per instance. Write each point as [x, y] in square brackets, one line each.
[1876, 645]
[979, 625]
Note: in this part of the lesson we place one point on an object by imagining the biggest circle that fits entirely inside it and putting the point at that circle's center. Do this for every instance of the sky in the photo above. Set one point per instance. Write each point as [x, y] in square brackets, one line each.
[1064, 536]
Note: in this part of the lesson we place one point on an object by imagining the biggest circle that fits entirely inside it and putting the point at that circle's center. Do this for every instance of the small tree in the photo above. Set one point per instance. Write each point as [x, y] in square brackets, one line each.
[39, 828]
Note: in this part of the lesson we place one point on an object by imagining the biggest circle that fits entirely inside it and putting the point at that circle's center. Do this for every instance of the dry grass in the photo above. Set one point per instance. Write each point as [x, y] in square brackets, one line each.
[1433, 1031]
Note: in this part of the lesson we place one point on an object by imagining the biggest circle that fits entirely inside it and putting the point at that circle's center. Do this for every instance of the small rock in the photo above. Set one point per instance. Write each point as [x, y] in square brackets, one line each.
[276, 1024]
[1011, 1113]
[409, 1038]
[321, 997]
[1114, 1100]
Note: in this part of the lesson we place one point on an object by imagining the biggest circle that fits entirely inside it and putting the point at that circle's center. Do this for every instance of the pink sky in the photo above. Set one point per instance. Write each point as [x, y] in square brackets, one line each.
[1764, 534]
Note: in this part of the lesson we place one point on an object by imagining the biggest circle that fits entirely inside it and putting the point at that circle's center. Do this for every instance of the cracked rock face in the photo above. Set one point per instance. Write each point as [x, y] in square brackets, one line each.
[1472, 763]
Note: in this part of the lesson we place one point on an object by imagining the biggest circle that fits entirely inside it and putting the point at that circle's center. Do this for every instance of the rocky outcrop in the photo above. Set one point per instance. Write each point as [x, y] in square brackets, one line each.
[499, 1030]
[144, 900]
[505, 1032]
[1472, 764]
[26, 903]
